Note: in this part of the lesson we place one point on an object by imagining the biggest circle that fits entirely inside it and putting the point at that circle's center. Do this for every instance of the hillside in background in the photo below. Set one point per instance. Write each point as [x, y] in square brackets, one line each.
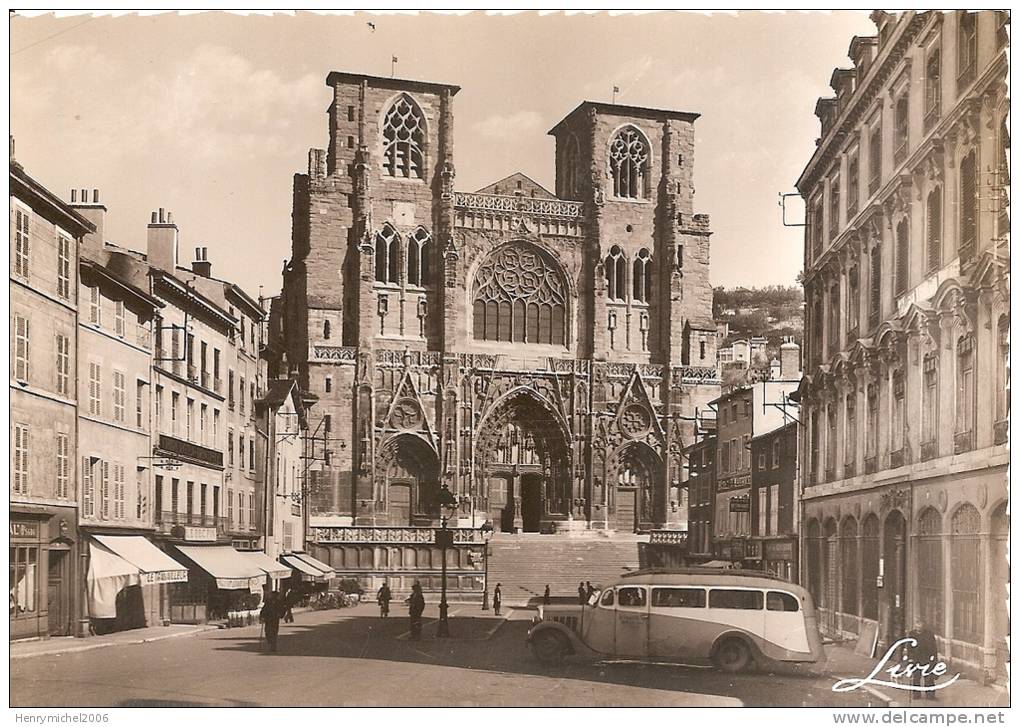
[774, 311]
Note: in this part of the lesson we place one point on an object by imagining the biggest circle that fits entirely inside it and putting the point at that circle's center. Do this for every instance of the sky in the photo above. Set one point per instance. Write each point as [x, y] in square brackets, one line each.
[210, 115]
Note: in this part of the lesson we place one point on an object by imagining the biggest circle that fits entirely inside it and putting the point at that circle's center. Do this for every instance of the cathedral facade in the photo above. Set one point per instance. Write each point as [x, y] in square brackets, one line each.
[542, 355]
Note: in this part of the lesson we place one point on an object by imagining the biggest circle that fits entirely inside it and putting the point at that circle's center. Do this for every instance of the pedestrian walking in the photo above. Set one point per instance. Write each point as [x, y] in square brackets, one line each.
[545, 596]
[497, 598]
[270, 618]
[924, 654]
[590, 591]
[417, 607]
[288, 615]
[582, 594]
[383, 598]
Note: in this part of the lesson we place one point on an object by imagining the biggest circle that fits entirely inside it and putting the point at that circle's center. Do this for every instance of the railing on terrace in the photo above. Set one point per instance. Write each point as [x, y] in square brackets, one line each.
[513, 203]
[387, 534]
[669, 537]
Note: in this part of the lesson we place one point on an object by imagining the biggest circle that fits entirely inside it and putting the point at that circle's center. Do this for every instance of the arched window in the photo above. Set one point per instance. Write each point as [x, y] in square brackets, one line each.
[417, 257]
[966, 567]
[571, 167]
[403, 139]
[325, 330]
[616, 273]
[848, 556]
[643, 276]
[628, 163]
[869, 567]
[934, 229]
[902, 128]
[929, 562]
[520, 296]
[968, 207]
[387, 255]
[902, 256]
[965, 394]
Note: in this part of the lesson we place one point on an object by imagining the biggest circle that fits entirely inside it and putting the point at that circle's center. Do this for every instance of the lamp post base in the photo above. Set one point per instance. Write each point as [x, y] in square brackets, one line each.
[444, 621]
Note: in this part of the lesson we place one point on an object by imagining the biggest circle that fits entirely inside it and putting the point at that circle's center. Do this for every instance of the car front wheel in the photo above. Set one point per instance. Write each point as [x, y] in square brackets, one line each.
[549, 647]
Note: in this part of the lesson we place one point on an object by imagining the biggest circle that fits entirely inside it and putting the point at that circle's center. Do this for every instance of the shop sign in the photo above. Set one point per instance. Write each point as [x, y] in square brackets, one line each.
[741, 503]
[24, 529]
[203, 535]
[778, 550]
[166, 576]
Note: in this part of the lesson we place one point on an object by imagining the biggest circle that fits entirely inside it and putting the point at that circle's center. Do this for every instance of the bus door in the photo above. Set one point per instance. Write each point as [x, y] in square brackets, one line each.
[599, 627]
[631, 621]
[677, 623]
[784, 622]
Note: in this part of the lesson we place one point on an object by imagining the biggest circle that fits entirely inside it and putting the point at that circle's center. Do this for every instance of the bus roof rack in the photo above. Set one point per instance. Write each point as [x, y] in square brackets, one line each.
[703, 571]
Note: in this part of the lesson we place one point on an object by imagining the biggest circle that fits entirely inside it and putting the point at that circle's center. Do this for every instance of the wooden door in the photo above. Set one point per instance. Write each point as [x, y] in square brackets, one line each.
[626, 501]
[56, 596]
[399, 495]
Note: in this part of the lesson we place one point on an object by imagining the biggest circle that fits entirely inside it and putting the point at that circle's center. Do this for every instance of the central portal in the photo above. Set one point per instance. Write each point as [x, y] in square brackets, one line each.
[524, 464]
[531, 503]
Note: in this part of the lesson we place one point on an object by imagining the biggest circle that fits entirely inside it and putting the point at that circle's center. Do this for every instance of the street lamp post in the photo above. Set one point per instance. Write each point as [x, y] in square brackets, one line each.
[447, 507]
[487, 531]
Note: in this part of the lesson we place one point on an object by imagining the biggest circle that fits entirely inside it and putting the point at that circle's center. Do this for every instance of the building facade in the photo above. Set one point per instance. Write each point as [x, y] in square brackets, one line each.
[701, 494]
[774, 500]
[539, 354]
[907, 294]
[45, 235]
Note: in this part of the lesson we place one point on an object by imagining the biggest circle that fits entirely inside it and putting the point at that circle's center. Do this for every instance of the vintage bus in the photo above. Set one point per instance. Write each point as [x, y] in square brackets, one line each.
[731, 618]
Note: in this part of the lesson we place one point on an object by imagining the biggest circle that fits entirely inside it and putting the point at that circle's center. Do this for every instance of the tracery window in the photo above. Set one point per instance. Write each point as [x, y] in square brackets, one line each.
[418, 247]
[387, 255]
[628, 163]
[403, 140]
[520, 296]
[517, 446]
[616, 273]
[643, 276]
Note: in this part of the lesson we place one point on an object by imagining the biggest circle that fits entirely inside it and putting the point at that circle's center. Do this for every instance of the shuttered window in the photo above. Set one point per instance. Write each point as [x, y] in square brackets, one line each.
[63, 267]
[875, 303]
[95, 389]
[934, 242]
[902, 257]
[21, 243]
[968, 207]
[63, 365]
[20, 474]
[63, 465]
[119, 396]
[104, 491]
[88, 486]
[21, 338]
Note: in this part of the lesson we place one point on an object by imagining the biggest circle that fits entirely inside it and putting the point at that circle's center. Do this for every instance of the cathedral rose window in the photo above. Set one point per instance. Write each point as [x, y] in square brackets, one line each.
[519, 296]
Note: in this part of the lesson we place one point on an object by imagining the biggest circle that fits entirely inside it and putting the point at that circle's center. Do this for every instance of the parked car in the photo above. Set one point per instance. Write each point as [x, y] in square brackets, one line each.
[730, 618]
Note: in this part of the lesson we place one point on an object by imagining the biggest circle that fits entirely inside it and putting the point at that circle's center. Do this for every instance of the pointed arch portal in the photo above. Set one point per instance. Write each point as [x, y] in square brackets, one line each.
[523, 461]
[410, 471]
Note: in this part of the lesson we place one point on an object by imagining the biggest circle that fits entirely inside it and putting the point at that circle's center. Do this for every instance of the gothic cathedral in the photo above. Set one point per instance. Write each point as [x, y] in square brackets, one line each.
[543, 356]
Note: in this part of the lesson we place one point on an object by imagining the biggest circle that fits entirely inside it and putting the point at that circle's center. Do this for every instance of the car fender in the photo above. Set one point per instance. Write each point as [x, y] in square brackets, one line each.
[747, 638]
[576, 645]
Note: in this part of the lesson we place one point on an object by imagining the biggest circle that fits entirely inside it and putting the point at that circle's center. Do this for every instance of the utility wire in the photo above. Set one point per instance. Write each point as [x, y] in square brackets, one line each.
[49, 37]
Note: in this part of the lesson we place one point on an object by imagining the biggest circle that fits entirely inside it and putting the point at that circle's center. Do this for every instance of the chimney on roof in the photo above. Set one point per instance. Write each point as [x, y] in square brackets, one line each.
[789, 361]
[201, 265]
[775, 370]
[161, 248]
[86, 203]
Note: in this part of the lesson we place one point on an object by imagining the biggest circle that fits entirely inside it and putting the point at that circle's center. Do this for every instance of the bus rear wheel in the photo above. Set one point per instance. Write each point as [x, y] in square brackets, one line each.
[549, 647]
[732, 656]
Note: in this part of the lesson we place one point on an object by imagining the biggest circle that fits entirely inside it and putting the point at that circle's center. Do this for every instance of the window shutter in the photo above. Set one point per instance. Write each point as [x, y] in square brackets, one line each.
[88, 491]
[875, 311]
[968, 207]
[934, 230]
[104, 492]
[902, 256]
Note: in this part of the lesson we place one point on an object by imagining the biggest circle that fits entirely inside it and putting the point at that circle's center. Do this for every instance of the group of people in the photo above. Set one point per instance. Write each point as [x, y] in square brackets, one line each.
[585, 590]
[416, 606]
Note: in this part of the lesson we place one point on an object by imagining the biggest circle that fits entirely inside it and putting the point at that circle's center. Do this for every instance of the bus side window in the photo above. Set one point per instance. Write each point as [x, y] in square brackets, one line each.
[735, 599]
[633, 597]
[678, 598]
[607, 598]
[777, 601]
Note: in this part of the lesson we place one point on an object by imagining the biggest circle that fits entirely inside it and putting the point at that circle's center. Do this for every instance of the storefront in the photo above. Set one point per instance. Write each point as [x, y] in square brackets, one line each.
[220, 580]
[275, 572]
[43, 551]
[308, 569]
[126, 582]
[779, 557]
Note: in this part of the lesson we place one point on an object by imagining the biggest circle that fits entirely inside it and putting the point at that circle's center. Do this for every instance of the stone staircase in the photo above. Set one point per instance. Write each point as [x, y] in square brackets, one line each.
[523, 564]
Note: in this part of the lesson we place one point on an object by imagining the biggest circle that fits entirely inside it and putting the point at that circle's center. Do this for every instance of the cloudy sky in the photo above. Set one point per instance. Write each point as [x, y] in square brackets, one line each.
[210, 115]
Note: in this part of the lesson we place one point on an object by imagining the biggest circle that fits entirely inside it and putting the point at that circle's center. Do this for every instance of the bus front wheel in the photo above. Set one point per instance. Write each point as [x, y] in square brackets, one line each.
[549, 647]
[732, 656]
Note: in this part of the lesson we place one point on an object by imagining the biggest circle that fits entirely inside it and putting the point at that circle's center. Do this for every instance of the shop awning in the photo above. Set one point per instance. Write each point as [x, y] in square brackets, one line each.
[308, 572]
[228, 567]
[108, 574]
[327, 570]
[269, 566]
[153, 564]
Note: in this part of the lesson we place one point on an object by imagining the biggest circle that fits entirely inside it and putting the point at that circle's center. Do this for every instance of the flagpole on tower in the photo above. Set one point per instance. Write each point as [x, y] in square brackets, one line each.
[393, 66]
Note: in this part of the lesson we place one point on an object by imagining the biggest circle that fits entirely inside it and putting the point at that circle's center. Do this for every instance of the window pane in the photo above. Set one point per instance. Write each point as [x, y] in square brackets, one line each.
[632, 597]
[781, 602]
[743, 600]
[678, 597]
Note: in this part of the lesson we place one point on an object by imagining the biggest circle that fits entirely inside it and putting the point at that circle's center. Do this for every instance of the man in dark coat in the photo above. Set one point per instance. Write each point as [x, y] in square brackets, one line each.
[497, 598]
[582, 594]
[924, 654]
[545, 596]
[384, 597]
[416, 608]
[270, 617]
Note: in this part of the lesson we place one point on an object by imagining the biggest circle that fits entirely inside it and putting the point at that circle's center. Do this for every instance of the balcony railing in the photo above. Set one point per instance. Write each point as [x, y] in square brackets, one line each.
[830, 475]
[849, 469]
[206, 380]
[169, 518]
[929, 450]
[192, 373]
[898, 458]
[963, 442]
[870, 465]
[190, 451]
[414, 535]
[669, 537]
[1001, 432]
[217, 385]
